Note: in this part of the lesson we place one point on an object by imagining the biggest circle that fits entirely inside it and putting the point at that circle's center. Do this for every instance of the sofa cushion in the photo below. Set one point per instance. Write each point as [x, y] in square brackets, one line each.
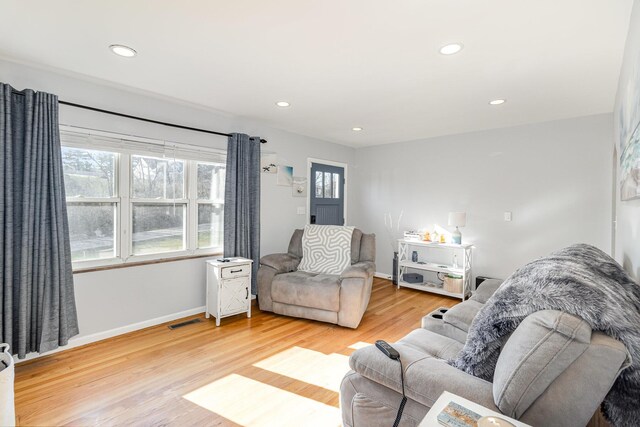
[326, 249]
[461, 315]
[445, 329]
[320, 291]
[432, 344]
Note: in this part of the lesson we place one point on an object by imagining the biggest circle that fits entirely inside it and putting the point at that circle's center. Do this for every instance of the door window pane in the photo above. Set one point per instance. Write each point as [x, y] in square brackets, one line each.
[336, 186]
[158, 228]
[91, 230]
[88, 173]
[327, 185]
[319, 187]
[154, 178]
[210, 225]
[211, 181]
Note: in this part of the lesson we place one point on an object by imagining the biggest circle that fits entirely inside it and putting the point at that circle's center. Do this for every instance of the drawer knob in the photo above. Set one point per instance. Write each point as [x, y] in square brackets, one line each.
[236, 271]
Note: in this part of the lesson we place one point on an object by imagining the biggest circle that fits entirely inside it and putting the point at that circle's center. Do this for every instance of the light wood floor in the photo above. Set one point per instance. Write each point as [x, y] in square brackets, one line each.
[267, 370]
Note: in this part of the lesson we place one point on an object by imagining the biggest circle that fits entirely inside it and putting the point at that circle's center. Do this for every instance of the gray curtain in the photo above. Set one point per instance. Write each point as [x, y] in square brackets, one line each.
[242, 201]
[38, 310]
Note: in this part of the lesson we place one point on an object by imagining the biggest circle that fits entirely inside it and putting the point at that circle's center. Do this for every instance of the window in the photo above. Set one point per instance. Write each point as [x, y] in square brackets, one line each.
[133, 202]
[319, 186]
[327, 185]
[92, 202]
[158, 205]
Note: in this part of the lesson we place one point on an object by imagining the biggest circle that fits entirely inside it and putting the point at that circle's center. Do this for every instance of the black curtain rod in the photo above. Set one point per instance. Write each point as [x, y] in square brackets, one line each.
[128, 116]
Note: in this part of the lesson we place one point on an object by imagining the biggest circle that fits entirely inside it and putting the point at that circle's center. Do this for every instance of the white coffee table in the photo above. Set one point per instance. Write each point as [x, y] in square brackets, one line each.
[431, 419]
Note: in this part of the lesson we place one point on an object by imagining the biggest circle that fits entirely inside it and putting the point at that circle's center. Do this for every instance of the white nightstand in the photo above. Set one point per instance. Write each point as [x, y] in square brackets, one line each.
[228, 288]
[431, 419]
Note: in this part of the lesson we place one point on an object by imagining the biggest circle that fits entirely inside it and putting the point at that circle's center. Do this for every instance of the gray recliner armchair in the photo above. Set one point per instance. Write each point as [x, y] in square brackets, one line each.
[340, 299]
[552, 371]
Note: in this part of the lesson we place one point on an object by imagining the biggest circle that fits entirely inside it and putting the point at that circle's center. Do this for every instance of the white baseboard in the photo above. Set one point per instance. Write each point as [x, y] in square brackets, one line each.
[99, 336]
[382, 275]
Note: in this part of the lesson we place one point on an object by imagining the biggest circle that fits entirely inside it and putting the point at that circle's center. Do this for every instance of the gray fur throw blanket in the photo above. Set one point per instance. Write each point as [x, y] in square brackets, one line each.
[580, 280]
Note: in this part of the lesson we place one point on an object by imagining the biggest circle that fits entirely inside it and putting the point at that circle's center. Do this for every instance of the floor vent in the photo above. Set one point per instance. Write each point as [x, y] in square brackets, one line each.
[181, 324]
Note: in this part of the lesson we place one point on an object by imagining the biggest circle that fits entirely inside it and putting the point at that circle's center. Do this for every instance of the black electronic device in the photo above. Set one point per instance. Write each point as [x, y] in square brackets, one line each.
[223, 260]
[389, 351]
[394, 275]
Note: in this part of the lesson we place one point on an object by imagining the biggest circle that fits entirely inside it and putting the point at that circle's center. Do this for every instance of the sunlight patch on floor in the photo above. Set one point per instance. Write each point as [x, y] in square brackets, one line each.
[359, 345]
[251, 403]
[309, 366]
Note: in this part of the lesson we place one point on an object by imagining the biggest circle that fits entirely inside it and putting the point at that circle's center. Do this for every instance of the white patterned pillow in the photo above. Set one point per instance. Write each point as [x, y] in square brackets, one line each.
[326, 249]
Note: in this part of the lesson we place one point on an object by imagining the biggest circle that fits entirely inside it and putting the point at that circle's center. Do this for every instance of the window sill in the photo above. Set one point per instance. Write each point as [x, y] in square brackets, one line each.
[141, 263]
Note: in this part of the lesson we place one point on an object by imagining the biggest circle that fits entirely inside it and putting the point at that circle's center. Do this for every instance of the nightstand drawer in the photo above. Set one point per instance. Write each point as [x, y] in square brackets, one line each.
[235, 271]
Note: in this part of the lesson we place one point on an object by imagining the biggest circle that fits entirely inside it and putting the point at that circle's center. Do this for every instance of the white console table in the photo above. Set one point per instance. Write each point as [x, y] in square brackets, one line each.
[435, 258]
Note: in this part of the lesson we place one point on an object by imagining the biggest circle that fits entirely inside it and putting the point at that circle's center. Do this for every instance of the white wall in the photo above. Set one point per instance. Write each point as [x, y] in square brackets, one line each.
[111, 301]
[628, 213]
[555, 177]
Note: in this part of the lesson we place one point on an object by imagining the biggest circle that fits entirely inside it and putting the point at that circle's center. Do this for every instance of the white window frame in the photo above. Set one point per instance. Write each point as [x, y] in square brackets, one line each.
[124, 200]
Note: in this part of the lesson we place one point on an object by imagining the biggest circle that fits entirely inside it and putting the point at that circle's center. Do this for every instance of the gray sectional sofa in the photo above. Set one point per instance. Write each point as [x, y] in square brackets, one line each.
[552, 371]
[340, 299]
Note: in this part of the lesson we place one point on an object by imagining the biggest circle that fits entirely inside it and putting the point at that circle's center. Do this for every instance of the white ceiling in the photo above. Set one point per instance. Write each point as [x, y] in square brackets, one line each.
[342, 63]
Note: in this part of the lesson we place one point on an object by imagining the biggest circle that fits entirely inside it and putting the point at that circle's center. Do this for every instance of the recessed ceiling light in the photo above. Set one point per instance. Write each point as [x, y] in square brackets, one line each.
[497, 101]
[283, 104]
[121, 50]
[450, 49]
[356, 129]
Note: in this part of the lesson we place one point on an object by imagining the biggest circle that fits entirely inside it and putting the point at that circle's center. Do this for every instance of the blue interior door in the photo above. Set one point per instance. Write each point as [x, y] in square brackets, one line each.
[326, 195]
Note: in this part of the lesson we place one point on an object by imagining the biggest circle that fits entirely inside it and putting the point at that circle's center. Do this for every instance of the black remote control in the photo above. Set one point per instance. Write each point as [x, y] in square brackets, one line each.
[388, 351]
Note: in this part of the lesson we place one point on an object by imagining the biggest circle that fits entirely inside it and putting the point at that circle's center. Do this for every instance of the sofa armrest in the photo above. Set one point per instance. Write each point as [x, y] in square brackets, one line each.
[281, 263]
[360, 270]
[541, 349]
[426, 377]
[355, 292]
